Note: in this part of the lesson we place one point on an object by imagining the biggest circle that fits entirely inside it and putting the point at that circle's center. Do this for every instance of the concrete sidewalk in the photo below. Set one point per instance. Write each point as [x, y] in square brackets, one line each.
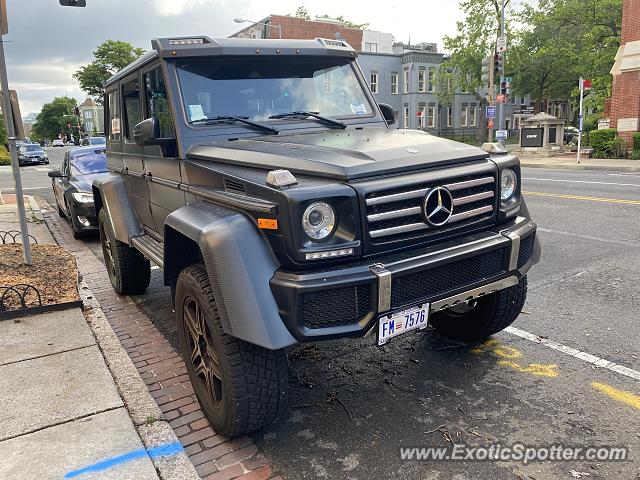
[568, 161]
[72, 404]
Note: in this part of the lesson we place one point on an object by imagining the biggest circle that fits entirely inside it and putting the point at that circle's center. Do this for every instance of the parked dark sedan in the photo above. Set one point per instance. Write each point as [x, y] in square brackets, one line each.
[31, 154]
[72, 187]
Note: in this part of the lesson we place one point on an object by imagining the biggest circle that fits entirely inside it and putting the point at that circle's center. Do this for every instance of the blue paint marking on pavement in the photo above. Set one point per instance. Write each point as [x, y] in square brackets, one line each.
[161, 451]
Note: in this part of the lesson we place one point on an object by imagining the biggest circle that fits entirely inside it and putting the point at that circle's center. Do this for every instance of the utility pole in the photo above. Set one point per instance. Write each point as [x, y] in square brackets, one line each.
[7, 110]
[580, 121]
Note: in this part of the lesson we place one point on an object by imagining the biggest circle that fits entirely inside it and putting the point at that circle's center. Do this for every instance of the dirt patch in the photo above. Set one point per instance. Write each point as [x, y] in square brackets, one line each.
[53, 273]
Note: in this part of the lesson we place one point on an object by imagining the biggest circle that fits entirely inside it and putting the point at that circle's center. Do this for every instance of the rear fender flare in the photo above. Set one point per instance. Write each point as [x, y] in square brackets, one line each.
[110, 192]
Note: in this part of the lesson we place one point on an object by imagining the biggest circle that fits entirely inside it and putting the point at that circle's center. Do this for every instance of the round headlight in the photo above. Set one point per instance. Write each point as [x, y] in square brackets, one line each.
[318, 220]
[508, 184]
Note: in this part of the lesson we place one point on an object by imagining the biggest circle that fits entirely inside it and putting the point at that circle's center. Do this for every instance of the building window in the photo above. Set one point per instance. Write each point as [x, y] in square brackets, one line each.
[431, 116]
[394, 83]
[88, 127]
[374, 82]
[370, 47]
[473, 116]
[449, 117]
[405, 115]
[422, 113]
[421, 79]
[431, 83]
[328, 84]
[464, 115]
[88, 114]
[405, 80]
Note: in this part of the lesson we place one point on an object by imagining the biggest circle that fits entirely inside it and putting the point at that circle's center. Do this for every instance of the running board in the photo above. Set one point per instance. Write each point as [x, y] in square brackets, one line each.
[473, 294]
[150, 248]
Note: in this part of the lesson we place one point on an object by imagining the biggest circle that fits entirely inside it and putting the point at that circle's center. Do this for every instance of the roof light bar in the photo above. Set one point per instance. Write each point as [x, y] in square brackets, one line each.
[186, 41]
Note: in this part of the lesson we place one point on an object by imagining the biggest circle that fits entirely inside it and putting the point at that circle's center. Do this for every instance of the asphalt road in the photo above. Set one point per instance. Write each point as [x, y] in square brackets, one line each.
[353, 405]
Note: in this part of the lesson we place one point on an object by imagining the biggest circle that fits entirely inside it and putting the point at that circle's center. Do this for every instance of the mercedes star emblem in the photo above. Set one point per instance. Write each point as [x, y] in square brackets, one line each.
[438, 206]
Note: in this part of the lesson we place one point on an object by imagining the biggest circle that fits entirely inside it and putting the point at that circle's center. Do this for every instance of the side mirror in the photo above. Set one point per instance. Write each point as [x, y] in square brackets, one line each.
[55, 174]
[387, 113]
[148, 129]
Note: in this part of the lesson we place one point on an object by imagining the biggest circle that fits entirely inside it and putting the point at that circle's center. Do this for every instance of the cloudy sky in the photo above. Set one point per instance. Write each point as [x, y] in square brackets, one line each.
[47, 42]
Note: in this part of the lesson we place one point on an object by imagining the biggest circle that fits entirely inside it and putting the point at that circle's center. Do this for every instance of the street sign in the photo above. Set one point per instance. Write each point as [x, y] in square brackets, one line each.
[491, 111]
[501, 44]
[502, 134]
[507, 79]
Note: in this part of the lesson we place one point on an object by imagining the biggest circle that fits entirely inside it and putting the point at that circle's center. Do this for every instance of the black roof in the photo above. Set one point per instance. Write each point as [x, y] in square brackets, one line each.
[200, 46]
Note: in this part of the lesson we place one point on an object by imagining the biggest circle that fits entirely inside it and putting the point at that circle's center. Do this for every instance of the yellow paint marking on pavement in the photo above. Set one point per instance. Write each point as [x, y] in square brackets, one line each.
[582, 197]
[536, 369]
[619, 395]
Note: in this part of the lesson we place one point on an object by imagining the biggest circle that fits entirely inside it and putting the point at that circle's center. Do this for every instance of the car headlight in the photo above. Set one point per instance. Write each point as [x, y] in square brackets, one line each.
[82, 197]
[319, 220]
[508, 183]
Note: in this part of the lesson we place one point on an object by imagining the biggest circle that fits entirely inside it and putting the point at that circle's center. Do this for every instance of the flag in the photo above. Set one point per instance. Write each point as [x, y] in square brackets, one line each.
[586, 84]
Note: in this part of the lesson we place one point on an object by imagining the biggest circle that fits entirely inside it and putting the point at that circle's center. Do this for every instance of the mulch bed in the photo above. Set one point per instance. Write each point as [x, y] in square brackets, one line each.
[53, 273]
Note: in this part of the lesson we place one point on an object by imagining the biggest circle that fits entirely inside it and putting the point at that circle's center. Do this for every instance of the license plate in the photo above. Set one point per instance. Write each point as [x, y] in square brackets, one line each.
[397, 323]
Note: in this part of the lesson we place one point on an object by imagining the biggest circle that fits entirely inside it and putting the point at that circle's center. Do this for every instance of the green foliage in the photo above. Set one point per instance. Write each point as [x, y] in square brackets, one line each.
[5, 159]
[51, 120]
[591, 122]
[302, 12]
[635, 154]
[3, 131]
[636, 141]
[109, 57]
[598, 139]
[561, 41]
[617, 148]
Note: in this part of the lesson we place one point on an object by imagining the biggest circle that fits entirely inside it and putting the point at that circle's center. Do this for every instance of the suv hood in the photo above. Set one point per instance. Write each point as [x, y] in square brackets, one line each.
[344, 155]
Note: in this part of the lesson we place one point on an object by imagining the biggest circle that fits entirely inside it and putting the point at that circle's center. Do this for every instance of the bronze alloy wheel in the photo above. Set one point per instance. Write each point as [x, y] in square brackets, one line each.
[200, 347]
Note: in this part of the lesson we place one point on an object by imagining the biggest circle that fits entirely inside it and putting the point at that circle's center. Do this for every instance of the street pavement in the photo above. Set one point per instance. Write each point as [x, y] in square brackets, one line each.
[353, 405]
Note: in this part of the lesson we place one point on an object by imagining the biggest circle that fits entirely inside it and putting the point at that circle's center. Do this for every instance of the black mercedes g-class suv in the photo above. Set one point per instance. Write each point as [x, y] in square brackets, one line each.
[266, 181]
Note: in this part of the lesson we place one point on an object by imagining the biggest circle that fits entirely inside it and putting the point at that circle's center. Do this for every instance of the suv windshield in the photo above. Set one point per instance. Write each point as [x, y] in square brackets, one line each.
[259, 87]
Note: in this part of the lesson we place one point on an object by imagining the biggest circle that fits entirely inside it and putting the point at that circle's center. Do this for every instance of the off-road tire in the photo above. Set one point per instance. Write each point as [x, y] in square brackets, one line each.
[128, 270]
[253, 383]
[491, 314]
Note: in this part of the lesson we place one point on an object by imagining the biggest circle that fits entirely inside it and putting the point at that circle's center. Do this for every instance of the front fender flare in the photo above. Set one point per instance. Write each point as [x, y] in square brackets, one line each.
[239, 264]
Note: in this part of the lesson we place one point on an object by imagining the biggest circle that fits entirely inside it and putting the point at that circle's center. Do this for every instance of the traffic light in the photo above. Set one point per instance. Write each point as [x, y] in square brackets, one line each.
[498, 62]
[73, 3]
[486, 71]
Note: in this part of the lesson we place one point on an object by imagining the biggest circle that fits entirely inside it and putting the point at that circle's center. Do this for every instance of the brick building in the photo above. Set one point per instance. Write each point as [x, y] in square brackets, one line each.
[624, 108]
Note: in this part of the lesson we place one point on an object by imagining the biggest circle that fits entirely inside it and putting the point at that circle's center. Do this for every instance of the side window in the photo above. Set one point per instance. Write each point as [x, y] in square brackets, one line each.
[131, 95]
[114, 116]
[157, 102]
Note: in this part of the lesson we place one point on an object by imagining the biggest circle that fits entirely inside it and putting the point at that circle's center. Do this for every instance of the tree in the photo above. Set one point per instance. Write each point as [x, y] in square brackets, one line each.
[474, 40]
[3, 131]
[302, 12]
[563, 40]
[51, 121]
[109, 58]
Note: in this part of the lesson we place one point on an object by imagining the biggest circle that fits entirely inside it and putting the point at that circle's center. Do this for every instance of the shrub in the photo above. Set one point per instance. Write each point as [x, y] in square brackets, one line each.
[636, 141]
[5, 159]
[617, 148]
[635, 154]
[599, 139]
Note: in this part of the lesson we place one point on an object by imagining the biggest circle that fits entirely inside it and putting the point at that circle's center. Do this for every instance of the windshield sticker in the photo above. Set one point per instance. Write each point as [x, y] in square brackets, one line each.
[358, 108]
[196, 112]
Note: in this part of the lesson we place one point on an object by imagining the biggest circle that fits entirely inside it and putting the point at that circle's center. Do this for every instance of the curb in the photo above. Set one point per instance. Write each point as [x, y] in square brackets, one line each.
[35, 208]
[580, 166]
[147, 417]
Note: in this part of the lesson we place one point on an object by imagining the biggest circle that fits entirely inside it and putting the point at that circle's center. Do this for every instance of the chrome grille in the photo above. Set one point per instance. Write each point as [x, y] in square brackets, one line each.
[397, 213]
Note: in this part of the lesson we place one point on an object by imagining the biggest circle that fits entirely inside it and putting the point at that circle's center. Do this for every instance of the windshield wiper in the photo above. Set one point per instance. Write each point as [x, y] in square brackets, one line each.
[305, 114]
[231, 118]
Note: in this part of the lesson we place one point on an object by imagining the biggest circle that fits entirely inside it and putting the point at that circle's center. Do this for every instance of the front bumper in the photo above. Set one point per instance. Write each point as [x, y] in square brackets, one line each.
[83, 216]
[345, 302]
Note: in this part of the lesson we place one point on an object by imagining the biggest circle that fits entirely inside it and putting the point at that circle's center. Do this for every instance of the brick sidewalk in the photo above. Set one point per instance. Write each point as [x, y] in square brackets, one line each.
[214, 456]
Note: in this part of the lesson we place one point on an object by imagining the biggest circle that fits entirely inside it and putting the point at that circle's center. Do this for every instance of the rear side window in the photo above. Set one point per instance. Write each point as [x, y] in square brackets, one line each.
[131, 95]
[158, 103]
[114, 116]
